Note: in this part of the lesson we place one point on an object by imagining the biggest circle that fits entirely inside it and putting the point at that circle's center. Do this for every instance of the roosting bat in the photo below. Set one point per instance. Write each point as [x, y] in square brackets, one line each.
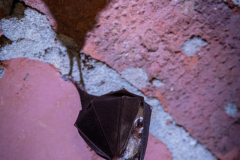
[114, 125]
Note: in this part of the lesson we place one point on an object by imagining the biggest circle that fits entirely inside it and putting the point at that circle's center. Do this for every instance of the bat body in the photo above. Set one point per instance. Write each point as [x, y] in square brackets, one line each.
[114, 125]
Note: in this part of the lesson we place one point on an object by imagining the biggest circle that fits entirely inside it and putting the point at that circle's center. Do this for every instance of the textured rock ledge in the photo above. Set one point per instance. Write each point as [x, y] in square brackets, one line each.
[122, 38]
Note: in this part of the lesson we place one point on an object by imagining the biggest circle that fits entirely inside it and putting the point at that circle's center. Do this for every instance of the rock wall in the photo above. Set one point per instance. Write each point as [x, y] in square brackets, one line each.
[29, 34]
[38, 111]
[185, 53]
[193, 47]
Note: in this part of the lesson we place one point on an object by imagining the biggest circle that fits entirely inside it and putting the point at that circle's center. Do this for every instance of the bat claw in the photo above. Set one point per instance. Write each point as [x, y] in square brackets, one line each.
[70, 79]
[67, 78]
[82, 88]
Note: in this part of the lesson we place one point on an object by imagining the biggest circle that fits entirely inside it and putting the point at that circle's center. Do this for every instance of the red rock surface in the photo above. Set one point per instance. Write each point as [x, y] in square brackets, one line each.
[196, 88]
[157, 150]
[150, 34]
[37, 113]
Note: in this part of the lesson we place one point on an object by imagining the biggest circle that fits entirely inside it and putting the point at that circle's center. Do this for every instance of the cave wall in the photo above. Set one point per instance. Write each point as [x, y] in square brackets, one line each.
[185, 53]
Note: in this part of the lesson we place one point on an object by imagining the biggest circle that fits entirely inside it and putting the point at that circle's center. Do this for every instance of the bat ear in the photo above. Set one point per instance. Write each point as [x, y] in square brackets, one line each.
[85, 97]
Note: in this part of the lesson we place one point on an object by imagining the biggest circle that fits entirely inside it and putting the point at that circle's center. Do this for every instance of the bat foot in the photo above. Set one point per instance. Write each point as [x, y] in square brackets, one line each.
[70, 79]
[67, 78]
[82, 88]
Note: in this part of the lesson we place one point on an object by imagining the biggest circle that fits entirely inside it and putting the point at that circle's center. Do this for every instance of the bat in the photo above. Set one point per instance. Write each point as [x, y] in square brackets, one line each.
[114, 125]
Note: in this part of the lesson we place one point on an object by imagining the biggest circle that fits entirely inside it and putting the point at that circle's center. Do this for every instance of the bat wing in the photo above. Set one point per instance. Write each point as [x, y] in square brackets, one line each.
[106, 122]
[90, 130]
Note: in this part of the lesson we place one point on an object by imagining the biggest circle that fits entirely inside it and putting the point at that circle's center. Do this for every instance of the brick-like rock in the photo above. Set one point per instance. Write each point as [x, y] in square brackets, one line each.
[197, 88]
[38, 110]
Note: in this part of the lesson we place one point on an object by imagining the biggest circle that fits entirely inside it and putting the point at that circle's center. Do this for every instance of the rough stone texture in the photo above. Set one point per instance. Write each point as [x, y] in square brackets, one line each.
[100, 79]
[231, 110]
[149, 34]
[197, 88]
[33, 37]
[157, 83]
[136, 76]
[72, 18]
[233, 2]
[17, 29]
[150, 40]
[236, 2]
[191, 46]
[234, 5]
[160, 153]
[62, 52]
[38, 110]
